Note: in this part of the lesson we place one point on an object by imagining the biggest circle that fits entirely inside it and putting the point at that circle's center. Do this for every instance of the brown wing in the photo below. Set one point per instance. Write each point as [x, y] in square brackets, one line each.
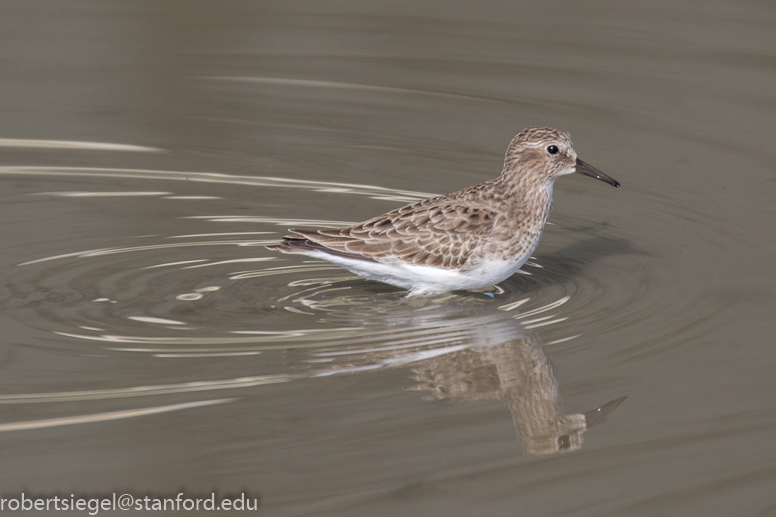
[431, 232]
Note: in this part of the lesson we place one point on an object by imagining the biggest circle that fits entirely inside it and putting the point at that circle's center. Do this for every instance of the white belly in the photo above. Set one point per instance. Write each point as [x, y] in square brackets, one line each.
[426, 280]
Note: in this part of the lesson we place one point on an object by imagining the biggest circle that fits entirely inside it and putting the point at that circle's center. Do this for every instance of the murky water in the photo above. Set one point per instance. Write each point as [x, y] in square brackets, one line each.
[151, 343]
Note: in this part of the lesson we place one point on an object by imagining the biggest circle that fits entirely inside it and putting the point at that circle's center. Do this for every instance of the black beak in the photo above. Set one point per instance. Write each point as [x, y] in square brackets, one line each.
[588, 170]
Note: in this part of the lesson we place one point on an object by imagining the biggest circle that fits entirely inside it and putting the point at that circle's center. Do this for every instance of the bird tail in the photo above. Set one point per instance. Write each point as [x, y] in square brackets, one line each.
[294, 245]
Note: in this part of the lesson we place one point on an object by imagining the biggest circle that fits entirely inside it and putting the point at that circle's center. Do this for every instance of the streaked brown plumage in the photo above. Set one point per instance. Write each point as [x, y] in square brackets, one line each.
[471, 238]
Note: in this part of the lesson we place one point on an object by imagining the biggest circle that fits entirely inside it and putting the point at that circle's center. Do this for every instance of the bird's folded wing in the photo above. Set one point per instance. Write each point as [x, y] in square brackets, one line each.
[439, 235]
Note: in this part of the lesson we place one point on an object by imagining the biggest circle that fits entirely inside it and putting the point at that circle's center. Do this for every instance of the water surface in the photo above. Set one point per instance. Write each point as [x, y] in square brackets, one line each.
[151, 342]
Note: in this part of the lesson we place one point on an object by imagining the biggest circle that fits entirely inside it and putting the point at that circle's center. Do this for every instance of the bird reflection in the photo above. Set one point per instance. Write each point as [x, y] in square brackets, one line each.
[486, 357]
[519, 373]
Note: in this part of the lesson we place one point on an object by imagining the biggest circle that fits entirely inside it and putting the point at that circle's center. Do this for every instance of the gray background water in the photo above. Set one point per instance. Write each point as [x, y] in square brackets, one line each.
[186, 356]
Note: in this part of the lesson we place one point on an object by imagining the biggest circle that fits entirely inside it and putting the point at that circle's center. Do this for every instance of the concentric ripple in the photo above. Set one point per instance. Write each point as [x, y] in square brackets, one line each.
[232, 292]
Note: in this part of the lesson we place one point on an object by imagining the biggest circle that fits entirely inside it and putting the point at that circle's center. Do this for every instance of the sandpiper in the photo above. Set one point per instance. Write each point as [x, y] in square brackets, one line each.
[469, 239]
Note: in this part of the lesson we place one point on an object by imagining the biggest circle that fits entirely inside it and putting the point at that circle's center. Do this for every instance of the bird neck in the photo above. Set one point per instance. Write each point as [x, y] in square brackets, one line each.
[529, 195]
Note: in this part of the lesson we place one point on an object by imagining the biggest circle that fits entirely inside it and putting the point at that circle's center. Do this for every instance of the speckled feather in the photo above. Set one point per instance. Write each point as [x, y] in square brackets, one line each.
[500, 220]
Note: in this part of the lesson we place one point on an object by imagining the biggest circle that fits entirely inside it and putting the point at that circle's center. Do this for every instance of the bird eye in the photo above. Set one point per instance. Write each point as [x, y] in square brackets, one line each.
[553, 149]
